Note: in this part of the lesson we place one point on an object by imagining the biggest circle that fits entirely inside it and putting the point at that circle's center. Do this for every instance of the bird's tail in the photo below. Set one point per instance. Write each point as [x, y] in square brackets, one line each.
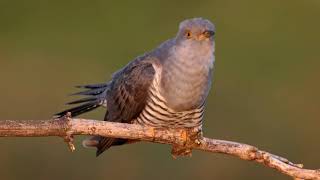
[102, 143]
[96, 96]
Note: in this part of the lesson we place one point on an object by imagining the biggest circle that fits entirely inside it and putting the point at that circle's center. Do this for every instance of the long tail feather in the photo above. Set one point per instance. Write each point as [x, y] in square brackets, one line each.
[91, 92]
[82, 100]
[78, 109]
[97, 97]
[93, 86]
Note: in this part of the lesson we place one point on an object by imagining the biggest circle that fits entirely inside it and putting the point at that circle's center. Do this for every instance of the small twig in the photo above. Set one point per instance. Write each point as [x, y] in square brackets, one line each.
[68, 138]
[67, 127]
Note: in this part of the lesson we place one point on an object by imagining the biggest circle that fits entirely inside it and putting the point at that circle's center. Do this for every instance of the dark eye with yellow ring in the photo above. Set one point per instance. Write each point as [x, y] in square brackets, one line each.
[188, 34]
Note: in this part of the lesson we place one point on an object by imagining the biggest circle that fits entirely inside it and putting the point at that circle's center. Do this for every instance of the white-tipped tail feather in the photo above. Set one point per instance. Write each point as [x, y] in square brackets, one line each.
[91, 142]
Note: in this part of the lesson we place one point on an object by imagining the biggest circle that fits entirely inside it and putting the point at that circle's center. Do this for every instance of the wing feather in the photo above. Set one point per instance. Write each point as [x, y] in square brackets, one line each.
[127, 97]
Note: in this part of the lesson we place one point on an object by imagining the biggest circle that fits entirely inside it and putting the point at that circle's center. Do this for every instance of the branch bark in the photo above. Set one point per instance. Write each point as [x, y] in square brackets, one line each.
[68, 127]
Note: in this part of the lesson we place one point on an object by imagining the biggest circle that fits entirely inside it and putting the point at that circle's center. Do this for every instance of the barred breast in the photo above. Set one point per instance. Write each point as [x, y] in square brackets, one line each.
[157, 113]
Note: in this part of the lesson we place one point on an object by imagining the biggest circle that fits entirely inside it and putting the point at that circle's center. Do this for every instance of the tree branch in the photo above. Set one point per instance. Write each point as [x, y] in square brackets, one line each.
[68, 127]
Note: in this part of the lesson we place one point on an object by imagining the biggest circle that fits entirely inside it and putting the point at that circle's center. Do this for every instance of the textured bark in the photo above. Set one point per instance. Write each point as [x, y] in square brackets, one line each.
[180, 138]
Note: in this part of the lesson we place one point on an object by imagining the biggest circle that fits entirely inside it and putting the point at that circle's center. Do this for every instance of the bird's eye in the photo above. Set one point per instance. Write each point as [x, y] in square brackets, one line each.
[188, 34]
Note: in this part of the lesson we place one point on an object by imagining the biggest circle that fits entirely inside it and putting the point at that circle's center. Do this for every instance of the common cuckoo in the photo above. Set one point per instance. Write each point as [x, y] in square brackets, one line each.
[166, 87]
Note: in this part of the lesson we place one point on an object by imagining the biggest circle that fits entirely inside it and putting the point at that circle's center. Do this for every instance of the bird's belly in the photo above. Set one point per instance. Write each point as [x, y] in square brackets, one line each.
[157, 114]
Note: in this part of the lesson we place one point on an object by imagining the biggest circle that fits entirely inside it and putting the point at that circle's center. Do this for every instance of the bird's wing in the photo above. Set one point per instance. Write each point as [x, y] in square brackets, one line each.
[127, 95]
[128, 92]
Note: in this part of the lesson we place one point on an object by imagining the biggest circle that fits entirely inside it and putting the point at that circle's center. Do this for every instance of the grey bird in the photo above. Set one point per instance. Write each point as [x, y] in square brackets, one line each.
[166, 87]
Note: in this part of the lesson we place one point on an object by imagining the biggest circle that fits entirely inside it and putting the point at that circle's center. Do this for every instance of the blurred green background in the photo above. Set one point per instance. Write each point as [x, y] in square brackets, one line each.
[266, 89]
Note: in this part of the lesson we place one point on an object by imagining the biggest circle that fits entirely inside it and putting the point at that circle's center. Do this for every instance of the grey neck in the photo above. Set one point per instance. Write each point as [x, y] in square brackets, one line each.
[186, 75]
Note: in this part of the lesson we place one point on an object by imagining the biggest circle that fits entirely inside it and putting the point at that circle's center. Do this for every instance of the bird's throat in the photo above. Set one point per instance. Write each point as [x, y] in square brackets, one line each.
[186, 77]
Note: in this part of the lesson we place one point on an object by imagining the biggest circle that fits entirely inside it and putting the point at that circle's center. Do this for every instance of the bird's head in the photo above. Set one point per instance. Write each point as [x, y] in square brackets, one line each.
[196, 29]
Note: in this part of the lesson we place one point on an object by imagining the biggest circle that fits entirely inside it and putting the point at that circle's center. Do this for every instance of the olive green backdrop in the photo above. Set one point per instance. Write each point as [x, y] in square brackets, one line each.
[266, 89]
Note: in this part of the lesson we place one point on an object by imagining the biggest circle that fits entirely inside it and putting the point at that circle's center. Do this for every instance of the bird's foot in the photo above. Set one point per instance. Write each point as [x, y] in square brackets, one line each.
[191, 137]
[196, 136]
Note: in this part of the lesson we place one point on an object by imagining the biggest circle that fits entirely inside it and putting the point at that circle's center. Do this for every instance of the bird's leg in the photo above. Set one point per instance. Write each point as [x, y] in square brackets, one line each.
[181, 149]
[190, 137]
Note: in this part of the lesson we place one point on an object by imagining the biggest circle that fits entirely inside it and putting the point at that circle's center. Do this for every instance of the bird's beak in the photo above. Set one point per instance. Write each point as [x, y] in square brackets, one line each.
[209, 33]
[205, 35]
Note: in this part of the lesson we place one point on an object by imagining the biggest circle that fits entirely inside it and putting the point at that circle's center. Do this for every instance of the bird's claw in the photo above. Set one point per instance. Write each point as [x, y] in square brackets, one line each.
[197, 141]
[190, 138]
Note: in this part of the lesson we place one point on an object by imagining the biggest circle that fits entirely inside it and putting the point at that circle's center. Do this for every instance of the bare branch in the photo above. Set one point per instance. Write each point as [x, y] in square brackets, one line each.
[68, 127]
